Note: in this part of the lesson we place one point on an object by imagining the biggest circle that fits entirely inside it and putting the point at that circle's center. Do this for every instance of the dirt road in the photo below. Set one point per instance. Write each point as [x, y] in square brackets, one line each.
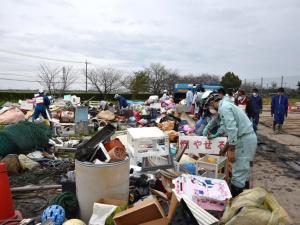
[277, 163]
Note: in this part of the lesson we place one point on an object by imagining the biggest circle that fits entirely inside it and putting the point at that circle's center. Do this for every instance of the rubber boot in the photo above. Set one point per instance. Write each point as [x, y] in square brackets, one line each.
[235, 191]
[274, 128]
[280, 129]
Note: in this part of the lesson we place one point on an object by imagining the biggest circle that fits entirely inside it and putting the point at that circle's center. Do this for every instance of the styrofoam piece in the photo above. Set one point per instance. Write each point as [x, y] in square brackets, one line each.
[201, 215]
[95, 104]
[145, 133]
[26, 105]
[147, 142]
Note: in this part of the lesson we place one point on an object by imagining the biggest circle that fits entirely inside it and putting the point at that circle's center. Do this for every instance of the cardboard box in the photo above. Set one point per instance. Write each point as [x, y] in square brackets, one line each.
[111, 201]
[172, 207]
[162, 221]
[146, 211]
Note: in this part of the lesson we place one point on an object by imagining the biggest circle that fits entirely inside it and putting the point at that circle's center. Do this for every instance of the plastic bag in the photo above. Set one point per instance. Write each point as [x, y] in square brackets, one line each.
[251, 216]
[11, 116]
[100, 213]
[249, 205]
[166, 126]
[26, 163]
[106, 115]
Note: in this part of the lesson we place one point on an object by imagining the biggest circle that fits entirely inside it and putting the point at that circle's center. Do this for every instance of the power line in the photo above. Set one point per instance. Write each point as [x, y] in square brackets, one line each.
[39, 57]
[34, 81]
[17, 75]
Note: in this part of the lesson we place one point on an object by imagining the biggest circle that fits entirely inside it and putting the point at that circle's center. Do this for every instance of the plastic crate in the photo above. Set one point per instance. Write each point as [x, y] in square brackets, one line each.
[146, 142]
[213, 170]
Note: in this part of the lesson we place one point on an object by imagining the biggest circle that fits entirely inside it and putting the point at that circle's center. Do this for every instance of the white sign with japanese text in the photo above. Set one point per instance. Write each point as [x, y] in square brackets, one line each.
[200, 144]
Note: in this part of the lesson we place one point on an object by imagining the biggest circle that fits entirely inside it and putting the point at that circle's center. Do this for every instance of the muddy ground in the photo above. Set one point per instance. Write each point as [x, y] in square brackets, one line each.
[277, 163]
[276, 167]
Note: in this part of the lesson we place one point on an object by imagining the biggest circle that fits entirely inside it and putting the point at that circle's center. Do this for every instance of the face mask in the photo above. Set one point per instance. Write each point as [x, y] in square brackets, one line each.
[254, 94]
[213, 111]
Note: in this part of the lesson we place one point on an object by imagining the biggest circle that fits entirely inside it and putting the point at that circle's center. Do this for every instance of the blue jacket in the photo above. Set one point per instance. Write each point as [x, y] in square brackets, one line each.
[255, 105]
[122, 102]
[45, 102]
[279, 105]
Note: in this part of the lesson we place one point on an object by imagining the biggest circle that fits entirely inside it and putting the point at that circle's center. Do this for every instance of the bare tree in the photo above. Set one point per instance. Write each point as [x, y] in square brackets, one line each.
[105, 80]
[157, 74]
[67, 79]
[274, 85]
[208, 78]
[47, 77]
[50, 78]
[200, 79]
[172, 79]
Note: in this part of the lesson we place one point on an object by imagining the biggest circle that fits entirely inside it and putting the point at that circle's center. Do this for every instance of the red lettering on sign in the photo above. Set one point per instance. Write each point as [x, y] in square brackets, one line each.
[197, 144]
[221, 144]
[183, 143]
[207, 144]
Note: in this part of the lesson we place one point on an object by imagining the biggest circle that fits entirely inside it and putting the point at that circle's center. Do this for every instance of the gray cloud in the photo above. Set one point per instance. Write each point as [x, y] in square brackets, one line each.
[248, 37]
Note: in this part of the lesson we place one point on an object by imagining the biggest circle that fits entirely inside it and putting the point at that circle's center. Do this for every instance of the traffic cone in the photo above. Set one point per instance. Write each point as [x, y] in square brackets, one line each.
[6, 202]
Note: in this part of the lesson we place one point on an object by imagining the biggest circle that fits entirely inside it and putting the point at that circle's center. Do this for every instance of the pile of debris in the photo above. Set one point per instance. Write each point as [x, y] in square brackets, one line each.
[139, 165]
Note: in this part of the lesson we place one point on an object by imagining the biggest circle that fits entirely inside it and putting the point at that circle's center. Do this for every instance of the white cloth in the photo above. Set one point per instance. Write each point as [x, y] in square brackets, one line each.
[100, 213]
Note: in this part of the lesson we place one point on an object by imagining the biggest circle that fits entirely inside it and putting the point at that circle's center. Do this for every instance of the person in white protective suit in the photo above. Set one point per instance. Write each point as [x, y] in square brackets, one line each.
[165, 96]
[189, 99]
[242, 140]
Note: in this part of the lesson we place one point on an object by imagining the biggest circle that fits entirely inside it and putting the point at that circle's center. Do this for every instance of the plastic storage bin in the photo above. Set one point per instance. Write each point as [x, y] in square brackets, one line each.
[146, 142]
[213, 165]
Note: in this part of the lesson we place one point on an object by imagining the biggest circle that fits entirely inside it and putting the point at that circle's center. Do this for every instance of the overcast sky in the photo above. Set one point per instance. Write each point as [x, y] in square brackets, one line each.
[252, 38]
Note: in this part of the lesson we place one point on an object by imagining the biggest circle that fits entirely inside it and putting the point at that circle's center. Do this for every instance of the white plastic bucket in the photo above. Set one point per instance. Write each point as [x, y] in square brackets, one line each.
[109, 180]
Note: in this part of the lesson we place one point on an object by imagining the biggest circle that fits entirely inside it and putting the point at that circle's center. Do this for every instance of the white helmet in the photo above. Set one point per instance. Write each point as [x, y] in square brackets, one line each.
[165, 91]
[206, 94]
[41, 91]
[116, 96]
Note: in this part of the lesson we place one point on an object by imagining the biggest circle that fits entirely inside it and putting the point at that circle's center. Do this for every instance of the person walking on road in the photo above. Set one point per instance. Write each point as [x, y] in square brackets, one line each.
[255, 108]
[279, 109]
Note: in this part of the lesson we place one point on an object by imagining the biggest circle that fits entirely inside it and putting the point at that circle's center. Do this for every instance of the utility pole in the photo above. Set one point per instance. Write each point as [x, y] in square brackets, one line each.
[261, 83]
[86, 87]
[281, 81]
[245, 83]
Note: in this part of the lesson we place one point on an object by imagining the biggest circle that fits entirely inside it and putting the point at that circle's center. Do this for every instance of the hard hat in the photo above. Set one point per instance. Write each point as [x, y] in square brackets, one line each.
[41, 91]
[165, 91]
[206, 94]
[212, 97]
[116, 96]
[55, 213]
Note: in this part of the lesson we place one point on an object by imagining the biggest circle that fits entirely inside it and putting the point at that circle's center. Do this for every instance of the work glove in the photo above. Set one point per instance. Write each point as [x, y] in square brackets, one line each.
[231, 153]
[223, 150]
